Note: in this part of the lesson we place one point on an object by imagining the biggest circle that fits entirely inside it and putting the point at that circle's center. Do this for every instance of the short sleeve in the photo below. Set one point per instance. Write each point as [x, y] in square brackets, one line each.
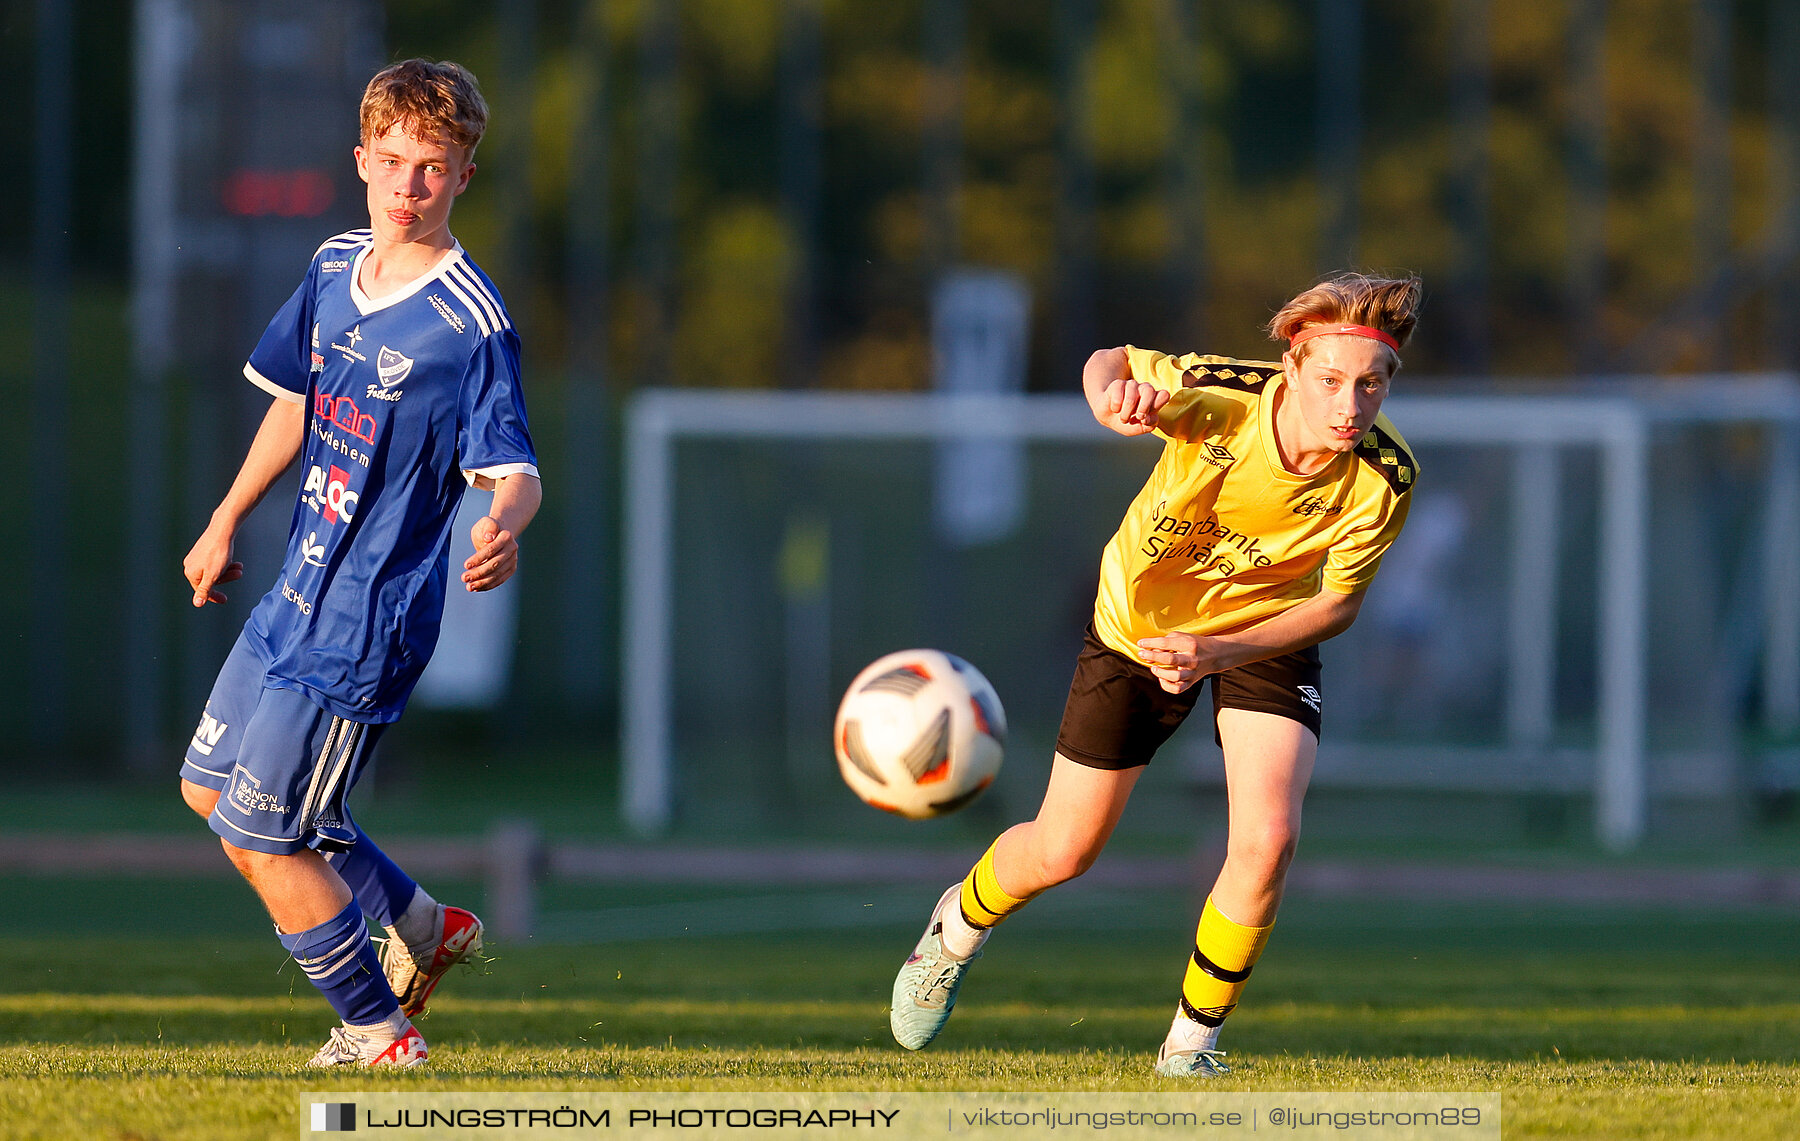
[1350, 565]
[282, 362]
[493, 437]
[1152, 367]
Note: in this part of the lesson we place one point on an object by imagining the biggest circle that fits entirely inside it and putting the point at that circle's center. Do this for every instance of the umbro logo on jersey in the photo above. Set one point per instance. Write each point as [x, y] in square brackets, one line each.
[1216, 455]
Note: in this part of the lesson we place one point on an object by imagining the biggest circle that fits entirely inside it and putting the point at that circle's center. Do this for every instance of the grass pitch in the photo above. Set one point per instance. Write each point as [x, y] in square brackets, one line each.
[1590, 1024]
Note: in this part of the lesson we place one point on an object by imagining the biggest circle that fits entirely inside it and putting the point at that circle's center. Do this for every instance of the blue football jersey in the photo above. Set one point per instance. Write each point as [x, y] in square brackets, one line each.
[411, 398]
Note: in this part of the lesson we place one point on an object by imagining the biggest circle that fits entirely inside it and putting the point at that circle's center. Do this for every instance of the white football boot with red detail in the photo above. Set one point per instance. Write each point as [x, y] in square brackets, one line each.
[348, 1046]
[459, 936]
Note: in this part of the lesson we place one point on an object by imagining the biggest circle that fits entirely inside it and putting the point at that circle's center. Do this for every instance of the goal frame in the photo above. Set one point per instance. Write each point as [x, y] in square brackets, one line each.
[1615, 417]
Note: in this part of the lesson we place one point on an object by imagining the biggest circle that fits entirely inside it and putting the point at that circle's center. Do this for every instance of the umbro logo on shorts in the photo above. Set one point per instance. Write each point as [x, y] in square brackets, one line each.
[1311, 697]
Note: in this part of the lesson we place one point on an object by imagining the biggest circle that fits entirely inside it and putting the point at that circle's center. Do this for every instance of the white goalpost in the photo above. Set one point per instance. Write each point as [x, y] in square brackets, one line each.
[1616, 421]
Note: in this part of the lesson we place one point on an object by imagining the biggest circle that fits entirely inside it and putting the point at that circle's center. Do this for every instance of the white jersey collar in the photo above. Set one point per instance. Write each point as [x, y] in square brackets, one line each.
[366, 305]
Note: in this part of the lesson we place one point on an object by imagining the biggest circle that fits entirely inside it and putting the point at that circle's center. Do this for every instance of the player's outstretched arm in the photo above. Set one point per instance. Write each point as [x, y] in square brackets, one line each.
[1128, 406]
[209, 563]
[1179, 660]
[496, 534]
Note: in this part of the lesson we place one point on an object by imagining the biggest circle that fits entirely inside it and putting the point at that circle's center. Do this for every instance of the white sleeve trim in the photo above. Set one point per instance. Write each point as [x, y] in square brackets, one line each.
[270, 387]
[485, 478]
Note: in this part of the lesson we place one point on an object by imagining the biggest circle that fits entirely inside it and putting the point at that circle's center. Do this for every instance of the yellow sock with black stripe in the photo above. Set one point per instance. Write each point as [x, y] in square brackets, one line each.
[984, 901]
[1224, 953]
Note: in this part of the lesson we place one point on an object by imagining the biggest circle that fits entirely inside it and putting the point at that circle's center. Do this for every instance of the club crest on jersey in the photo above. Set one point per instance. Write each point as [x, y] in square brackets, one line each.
[391, 367]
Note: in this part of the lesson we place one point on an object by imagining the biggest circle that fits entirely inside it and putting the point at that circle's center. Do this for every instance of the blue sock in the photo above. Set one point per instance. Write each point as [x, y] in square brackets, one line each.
[340, 960]
[380, 887]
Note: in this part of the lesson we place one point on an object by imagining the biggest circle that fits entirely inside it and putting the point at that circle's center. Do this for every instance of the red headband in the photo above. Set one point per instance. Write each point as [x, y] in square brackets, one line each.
[1312, 331]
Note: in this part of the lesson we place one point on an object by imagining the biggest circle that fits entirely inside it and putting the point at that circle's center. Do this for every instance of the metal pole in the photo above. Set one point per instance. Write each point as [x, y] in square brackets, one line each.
[647, 759]
[1187, 277]
[658, 169]
[946, 30]
[1339, 117]
[162, 38]
[1781, 582]
[585, 584]
[800, 164]
[1074, 335]
[48, 652]
[1712, 162]
[1471, 101]
[1784, 106]
[518, 37]
[1621, 789]
[1531, 626]
[1587, 180]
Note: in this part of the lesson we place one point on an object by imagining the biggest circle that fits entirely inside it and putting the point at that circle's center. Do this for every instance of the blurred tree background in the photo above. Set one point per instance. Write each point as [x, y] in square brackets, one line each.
[759, 193]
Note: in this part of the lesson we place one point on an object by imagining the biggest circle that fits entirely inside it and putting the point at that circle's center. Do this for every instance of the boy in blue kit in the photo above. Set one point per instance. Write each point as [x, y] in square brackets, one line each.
[395, 375]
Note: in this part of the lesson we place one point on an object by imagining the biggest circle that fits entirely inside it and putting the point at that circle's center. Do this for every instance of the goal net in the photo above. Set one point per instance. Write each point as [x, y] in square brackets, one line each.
[1594, 598]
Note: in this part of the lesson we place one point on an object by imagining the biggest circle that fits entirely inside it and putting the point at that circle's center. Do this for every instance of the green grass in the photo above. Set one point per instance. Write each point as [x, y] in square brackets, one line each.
[1591, 1024]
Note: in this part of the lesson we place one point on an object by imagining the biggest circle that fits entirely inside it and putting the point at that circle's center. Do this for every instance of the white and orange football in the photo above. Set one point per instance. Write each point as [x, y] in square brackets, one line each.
[920, 733]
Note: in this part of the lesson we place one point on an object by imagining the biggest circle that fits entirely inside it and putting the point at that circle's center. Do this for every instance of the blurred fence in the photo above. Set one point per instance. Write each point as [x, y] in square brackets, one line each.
[763, 888]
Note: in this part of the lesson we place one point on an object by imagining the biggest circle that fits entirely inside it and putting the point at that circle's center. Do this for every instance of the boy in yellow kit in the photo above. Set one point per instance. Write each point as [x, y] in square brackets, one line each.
[1279, 489]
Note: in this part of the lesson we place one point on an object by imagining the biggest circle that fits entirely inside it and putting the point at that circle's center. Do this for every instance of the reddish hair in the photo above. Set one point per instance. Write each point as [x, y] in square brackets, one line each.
[436, 102]
[1390, 304]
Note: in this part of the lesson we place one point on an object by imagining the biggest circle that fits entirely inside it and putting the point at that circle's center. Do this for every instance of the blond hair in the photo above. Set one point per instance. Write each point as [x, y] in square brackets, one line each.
[435, 102]
[1390, 304]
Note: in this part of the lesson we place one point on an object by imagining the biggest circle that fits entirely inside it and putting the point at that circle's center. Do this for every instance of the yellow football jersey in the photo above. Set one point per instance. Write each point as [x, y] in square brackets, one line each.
[1223, 536]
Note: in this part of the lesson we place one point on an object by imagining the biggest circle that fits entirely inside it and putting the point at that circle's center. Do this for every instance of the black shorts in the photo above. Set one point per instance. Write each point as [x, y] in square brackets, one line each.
[1118, 714]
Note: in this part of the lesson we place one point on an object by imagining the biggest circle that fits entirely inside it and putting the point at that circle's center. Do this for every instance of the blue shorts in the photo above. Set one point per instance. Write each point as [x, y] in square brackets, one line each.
[283, 766]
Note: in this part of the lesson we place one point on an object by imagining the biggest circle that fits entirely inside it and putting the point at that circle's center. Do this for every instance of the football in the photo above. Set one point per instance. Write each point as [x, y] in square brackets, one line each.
[920, 733]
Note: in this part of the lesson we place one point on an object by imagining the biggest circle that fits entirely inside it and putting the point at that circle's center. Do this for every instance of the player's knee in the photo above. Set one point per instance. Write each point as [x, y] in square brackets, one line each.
[1068, 861]
[1264, 852]
[250, 864]
[198, 797]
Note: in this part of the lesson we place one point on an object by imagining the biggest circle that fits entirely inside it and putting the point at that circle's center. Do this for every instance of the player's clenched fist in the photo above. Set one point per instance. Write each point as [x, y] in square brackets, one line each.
[496, 556]
[1175, 660]
[1131, 407]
